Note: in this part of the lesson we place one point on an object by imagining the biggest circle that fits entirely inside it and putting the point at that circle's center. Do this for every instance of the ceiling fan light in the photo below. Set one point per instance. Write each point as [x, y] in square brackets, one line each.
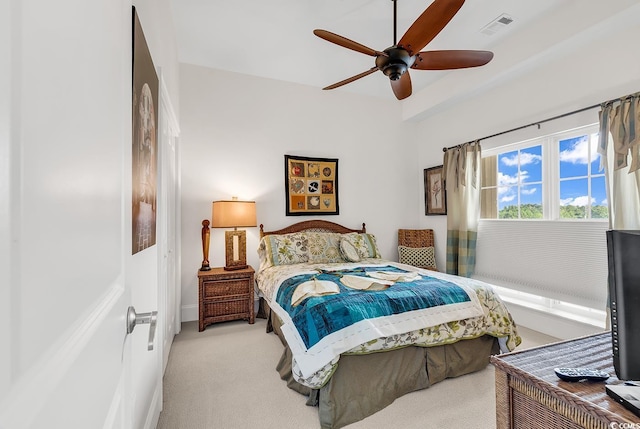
[395, 71]
[396, 63]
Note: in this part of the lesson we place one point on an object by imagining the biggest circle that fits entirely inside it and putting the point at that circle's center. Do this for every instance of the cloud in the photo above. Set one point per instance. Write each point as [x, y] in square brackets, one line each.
[578, 153]
[528, 191]
[578, 201]
[512, 180]
[525, 159]
[507, 198]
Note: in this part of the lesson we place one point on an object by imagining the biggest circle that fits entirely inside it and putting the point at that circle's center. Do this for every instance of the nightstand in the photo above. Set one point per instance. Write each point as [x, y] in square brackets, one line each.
[225, 295]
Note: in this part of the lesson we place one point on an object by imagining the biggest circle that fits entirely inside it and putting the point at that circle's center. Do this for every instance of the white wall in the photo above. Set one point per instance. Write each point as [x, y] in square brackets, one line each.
[589, 73]
[236, 130]
[157, 24]
[600, 68]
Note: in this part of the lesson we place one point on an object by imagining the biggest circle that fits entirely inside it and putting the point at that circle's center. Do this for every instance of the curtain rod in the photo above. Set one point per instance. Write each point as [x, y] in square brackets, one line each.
[444, 149]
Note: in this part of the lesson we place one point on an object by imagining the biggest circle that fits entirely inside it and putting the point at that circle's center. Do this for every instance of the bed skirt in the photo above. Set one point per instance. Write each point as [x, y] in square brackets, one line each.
[384, 376]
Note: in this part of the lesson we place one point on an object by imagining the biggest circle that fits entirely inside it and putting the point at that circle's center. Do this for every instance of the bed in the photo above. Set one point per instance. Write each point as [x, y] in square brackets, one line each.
[359, 330]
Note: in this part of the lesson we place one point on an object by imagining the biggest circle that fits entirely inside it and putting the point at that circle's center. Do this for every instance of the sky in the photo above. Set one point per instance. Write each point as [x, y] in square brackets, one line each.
[577, 156]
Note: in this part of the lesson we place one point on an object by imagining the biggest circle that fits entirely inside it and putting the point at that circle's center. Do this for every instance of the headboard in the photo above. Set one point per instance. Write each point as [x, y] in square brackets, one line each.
[313, 225]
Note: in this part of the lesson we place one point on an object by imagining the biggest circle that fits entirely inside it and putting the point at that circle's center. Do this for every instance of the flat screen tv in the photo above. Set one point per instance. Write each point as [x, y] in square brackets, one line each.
[623, 248]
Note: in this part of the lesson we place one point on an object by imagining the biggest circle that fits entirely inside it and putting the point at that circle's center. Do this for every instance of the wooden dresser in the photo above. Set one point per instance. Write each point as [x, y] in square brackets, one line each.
[530, 395]
[225, 295]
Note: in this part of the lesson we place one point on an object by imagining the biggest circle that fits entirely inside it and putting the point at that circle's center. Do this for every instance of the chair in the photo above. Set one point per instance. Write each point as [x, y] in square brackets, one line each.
[416, 247]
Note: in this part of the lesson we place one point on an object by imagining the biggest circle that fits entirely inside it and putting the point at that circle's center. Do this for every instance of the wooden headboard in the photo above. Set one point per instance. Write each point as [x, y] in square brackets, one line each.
[312, 225]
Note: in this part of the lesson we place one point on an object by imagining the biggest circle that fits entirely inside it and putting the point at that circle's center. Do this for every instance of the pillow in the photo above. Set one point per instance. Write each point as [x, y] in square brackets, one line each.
[285, 249]
[365, 244]
[423, 257]
[348, 250]
[324, 247]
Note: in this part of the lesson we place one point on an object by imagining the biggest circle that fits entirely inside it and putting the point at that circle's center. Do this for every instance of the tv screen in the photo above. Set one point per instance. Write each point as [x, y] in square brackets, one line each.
[623, 248]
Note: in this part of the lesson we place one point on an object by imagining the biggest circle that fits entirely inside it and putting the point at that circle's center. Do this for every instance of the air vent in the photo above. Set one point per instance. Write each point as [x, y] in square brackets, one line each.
[497, 25]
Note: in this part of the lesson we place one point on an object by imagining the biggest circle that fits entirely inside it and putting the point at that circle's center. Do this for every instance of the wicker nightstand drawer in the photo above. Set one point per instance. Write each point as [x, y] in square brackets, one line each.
[225, 295]
[232, 307]
[224, 288]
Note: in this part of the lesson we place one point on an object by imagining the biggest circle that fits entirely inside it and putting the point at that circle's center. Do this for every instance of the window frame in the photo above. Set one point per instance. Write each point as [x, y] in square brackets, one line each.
[550, 172]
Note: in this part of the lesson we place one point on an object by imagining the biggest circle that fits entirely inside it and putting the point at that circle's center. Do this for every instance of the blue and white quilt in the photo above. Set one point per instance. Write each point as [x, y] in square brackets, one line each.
[320, 328]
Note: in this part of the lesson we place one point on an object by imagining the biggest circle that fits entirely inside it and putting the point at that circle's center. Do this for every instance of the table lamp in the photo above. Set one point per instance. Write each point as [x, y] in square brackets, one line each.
[234, 214]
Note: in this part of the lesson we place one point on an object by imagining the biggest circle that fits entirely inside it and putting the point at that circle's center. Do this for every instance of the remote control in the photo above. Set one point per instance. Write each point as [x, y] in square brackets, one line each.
[578, 374]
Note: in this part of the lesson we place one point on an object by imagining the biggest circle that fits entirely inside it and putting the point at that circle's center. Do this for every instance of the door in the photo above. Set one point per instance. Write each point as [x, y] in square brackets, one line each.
[67, 272]
[168, 225]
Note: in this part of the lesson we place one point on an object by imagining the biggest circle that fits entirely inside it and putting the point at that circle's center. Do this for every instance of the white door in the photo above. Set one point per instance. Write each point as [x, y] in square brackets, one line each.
[66, 267]
[168, 225]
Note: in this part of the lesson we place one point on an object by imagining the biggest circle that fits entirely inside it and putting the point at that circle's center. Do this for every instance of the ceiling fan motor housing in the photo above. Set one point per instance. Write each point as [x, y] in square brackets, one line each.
[396, 63]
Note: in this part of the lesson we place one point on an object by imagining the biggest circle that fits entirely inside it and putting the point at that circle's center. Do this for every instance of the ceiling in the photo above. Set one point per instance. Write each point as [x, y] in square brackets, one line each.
[274, 38]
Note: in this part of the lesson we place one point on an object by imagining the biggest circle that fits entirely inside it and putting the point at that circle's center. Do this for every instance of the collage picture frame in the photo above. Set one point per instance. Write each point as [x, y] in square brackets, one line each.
[311, 186]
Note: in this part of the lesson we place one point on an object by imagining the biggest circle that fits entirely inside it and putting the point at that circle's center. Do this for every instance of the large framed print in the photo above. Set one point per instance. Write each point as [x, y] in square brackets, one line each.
[435, 195]
[144, 157]
[311, 186]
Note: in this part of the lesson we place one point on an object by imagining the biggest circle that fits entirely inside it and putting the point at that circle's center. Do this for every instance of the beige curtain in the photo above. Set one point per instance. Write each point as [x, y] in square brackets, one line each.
[619, 148]
[461, 167]
[619, 141]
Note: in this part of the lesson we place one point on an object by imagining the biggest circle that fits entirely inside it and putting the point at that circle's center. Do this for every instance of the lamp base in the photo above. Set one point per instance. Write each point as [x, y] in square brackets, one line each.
[236, 267]
[205, 268]
[235, 250]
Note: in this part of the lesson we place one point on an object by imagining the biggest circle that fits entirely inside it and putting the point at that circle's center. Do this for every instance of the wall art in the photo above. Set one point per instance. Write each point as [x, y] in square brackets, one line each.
[435, 195]
[311, 186]
[144, 106]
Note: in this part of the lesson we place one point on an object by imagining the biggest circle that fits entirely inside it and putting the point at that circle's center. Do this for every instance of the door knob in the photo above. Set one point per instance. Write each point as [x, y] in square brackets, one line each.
[134, 319]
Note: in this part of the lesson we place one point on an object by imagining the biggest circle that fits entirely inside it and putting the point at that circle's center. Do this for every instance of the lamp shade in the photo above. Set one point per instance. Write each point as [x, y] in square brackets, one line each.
[233, 214]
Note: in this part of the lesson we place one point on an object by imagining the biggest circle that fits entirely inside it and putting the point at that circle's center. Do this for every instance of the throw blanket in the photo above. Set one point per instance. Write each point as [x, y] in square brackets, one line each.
[320, 328]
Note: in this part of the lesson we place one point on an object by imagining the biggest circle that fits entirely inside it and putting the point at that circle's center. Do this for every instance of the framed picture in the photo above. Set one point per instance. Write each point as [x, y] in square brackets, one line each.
[311, 186]
[144, 106]
[435, 196]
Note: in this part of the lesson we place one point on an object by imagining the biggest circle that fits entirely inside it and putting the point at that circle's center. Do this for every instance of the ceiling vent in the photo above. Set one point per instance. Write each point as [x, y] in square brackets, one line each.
[497, 25]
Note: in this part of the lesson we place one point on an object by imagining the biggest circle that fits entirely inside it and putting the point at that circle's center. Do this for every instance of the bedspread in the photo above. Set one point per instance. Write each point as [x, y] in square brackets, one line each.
[475, 312]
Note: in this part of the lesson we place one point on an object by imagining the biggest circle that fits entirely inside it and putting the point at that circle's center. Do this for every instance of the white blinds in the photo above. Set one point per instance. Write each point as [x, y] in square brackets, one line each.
[563, 260]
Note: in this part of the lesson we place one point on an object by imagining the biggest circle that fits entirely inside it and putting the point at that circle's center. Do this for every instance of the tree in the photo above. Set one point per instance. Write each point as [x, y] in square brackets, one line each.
[527, 211]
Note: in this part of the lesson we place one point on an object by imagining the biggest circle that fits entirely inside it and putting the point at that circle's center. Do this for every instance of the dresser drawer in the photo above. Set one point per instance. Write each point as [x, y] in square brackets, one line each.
[227, 307]
[214, 289]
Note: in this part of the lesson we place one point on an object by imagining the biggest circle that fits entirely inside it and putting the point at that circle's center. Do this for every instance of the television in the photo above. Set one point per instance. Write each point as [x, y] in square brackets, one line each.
[623, 249]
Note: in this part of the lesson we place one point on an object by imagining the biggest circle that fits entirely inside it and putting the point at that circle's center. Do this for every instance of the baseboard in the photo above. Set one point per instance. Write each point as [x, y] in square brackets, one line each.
[550, 324]
[189, 313]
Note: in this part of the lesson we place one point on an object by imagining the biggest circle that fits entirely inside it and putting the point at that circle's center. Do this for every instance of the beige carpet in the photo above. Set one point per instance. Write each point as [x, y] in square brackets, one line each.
[225, 377]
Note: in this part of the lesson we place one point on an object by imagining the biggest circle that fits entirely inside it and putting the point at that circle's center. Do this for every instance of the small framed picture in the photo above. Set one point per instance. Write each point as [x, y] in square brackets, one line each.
[435, 196]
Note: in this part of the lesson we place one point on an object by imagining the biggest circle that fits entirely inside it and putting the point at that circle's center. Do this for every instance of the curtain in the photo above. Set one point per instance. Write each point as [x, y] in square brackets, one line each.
[461, 167]
[619, 148]
[619, 140]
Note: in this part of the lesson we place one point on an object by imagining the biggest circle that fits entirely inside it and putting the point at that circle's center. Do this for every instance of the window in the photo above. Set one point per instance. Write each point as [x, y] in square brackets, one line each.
[582, 187]
[551, 177]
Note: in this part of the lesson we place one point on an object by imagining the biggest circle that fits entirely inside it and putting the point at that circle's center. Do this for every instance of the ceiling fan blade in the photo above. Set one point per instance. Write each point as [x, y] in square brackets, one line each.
[429, 24]
[346, 43]
[352, 78]
[445, 60]
[402, 87]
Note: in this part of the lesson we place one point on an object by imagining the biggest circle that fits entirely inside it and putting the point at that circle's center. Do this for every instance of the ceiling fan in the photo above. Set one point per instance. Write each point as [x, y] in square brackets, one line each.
[396, 60]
